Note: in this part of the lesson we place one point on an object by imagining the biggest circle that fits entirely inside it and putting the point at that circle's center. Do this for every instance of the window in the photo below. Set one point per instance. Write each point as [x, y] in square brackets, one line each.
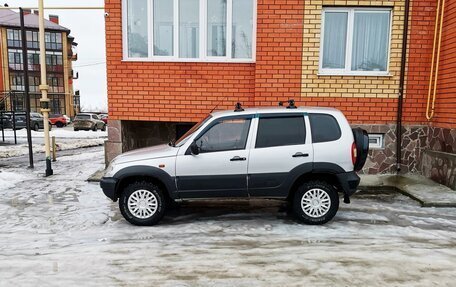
[216, 28]
[82, 117]
[34, 83]
[376, 140]
[53, 40]
[15, 59]
[189, 30]
[137, 28]
[163, 27]
[242, 29]
[280, 131]
[324, 128]
[55, 82]
[17, 82]
[355, 41]
[33, 40]
[14, 38]
[224, 135]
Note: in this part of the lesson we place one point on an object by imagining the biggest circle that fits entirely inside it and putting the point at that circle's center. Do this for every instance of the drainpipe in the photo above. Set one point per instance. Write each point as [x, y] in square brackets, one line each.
[401, 89]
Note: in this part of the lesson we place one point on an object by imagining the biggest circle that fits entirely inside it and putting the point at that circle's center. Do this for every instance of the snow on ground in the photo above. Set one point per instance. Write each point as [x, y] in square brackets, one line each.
[66, 139]
[62, 230]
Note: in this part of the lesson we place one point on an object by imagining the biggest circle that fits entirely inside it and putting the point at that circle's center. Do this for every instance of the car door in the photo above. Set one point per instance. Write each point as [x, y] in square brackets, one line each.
[220, 168]
[282, 147]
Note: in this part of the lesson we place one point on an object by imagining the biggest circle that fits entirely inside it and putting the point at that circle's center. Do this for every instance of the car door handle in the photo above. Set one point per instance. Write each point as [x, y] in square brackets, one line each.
[238, 158]
[300, 154]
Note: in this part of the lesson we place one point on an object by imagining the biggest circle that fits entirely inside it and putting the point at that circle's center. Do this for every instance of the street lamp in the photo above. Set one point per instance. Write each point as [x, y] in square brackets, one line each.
[44, 101]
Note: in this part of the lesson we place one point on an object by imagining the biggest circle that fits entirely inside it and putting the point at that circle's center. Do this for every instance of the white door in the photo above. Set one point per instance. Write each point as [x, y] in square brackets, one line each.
[282, 146]
[220, 168]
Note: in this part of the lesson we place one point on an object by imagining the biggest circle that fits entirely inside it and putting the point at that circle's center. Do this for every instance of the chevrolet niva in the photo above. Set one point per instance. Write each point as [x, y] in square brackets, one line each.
[303, 155]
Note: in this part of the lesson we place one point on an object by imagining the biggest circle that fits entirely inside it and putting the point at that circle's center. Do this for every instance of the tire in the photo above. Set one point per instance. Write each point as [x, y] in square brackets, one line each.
[305, 194]
[59, 124]
[361, 138]
[36, 127]
[103, 129]
[94, 128]
[75, 129]
[142, 217]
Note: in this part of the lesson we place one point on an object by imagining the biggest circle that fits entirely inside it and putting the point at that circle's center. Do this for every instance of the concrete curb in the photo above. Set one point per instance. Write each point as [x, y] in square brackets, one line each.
[425, 191]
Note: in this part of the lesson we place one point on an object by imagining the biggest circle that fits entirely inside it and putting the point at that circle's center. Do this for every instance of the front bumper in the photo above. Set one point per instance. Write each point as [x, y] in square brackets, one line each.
[108, 185]
[349, 181]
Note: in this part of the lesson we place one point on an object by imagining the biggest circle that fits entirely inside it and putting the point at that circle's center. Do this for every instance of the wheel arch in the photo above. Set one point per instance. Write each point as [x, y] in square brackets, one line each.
[323, 171]
[149, 174]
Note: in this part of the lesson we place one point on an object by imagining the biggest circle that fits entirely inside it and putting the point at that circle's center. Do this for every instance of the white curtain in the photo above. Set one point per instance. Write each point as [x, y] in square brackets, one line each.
[370, 41]
[334, 42]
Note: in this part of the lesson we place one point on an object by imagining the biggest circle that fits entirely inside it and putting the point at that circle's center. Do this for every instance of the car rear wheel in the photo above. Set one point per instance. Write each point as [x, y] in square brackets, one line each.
[36, 127]
[103, 129]
[142, 203]
[59, 124]
[315, 202]
[94, 128]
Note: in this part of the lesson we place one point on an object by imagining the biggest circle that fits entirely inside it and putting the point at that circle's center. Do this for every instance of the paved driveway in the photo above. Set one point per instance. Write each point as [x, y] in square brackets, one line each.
[63, 231]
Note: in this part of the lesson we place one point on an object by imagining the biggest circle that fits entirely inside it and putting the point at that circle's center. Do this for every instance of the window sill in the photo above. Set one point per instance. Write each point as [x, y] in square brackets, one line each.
[357, 74]
[174, 60]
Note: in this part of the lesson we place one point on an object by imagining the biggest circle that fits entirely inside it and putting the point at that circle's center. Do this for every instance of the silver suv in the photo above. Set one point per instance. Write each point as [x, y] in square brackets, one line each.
[304, 155]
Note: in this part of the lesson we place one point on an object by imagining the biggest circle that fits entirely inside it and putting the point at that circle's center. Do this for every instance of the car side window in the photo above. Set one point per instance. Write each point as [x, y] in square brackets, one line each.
[280, 131]
[225, 135]
[95, 117]
[325, 128]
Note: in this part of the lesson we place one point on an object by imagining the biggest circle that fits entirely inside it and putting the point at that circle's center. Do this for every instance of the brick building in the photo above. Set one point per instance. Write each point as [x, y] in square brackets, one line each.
[59, 58]
[169, 64]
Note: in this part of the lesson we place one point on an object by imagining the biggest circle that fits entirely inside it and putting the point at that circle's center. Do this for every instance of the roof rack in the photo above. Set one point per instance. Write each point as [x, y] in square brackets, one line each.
[238, 107]
[291, 104]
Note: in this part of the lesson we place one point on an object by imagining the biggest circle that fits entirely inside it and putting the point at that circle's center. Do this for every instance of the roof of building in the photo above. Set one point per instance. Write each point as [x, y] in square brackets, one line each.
[10, 18]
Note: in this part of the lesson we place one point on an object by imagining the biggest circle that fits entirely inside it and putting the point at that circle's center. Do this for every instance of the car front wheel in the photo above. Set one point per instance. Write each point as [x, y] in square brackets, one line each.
[36, 127]
[315, 202]
[142, 203]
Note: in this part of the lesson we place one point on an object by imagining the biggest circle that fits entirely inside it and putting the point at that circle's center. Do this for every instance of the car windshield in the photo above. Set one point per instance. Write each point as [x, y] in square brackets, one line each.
[185, 137]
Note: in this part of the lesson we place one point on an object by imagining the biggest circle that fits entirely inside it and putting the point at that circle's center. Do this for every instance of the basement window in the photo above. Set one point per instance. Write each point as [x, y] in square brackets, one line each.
[355, 41]
[376, 141]
[189, 30]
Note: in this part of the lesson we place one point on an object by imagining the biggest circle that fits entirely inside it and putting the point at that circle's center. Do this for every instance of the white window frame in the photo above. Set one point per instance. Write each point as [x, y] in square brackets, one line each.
[349, 42]
[203, 57]
[379, 141]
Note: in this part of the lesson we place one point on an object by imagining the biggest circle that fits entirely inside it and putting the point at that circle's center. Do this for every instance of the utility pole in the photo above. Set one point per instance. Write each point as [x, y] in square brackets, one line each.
[26, 86]
[44, 89]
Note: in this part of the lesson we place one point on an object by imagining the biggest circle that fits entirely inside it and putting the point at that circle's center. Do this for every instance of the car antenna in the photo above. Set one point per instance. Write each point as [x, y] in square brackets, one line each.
[216, 106]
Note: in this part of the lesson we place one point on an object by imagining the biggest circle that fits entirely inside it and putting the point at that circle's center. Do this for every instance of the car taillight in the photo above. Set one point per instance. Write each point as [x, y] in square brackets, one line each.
[353, 153]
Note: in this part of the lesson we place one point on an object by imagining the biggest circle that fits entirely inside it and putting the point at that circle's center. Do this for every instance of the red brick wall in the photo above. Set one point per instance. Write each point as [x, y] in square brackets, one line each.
[445, 107]
[279, 51]
[161, 91]
[419, 60]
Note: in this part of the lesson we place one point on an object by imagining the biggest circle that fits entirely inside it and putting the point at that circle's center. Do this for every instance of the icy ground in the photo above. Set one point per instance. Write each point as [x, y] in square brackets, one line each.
[62, 231]
[65, 137]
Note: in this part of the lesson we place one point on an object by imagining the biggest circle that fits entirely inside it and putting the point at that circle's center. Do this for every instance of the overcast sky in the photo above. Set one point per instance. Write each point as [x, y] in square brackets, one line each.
[87, 26]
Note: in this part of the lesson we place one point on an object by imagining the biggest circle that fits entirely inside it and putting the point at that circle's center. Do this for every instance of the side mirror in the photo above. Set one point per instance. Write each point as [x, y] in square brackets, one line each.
[194, 148]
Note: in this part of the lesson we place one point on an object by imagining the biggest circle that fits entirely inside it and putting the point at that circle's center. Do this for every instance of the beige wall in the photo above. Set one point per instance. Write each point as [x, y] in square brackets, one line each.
[314, 85]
